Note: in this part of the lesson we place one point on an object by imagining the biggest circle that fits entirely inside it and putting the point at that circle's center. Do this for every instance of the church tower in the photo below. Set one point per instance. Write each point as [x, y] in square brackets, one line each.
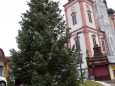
[81, 19]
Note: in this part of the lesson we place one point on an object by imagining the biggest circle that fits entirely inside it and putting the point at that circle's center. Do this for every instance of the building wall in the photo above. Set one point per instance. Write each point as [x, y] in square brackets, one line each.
[112, 22]
[91, 41]
[83, 50]
[78, 17]
[82, 47]
[83, 24]
[105, 24]
[83, 44]
[4, 62]
[92, 25]
[111, 68]
[106, 47]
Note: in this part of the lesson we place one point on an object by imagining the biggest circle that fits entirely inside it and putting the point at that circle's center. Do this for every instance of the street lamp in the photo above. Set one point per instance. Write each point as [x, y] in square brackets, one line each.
[78, 47]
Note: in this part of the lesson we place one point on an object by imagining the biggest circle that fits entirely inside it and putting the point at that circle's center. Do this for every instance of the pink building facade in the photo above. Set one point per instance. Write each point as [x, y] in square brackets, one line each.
[83, 17]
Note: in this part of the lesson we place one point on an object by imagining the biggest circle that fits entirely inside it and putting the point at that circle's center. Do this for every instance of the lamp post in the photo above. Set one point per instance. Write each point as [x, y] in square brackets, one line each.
[78, 47]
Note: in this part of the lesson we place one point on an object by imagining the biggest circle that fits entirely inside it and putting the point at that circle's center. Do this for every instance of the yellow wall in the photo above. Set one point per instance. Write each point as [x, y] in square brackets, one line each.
[113, 67]
[6, 70]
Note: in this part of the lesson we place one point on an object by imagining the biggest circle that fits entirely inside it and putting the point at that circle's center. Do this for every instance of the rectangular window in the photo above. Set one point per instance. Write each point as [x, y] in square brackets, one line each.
[89, 16]
[74, 19]
[77, 45]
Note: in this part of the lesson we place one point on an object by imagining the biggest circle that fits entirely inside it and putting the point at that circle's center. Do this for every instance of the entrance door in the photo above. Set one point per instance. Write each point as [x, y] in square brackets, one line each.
[101, 72]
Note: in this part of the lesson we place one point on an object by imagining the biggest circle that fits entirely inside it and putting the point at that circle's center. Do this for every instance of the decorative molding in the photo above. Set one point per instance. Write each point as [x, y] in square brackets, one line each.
[93, 35]
[73, 8]
[89, 11]
[73, 13]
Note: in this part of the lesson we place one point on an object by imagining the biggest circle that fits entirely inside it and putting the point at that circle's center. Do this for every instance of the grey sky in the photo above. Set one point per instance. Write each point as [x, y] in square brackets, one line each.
[10, 12]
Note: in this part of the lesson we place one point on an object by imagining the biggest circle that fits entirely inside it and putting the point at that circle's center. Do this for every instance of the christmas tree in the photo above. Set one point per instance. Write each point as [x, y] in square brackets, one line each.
[43, 58]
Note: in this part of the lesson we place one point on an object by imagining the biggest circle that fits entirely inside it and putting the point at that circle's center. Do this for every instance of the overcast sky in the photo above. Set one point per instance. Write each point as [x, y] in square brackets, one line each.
[10, 12]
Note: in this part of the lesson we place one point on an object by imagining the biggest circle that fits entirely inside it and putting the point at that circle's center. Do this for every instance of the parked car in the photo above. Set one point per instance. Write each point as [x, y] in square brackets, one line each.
[3, 81]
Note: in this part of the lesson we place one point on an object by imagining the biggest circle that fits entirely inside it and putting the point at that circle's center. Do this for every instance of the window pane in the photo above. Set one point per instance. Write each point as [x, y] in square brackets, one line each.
[74, 19]
[77, 44]
[94, 41]
[89, 16]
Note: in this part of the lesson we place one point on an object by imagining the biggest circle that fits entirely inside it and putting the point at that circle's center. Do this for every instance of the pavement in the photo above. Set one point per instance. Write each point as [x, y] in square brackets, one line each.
[107, 83]
[104, 83]
[110, 82]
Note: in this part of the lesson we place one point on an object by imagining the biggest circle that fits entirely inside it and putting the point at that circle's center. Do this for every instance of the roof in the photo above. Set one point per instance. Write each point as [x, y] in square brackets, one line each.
[8, 58]
[70, 1]
[110, 11]
[1, 53]
[2, 56]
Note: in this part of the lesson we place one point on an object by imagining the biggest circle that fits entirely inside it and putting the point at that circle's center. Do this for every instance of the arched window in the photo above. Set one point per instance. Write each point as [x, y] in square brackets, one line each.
[94, 39]
[77, 43]
[74, 19]
[89, 16]
[89, 13]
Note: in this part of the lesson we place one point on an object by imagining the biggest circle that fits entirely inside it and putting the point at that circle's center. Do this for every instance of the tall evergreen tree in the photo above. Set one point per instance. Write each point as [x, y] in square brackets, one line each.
[43, 58]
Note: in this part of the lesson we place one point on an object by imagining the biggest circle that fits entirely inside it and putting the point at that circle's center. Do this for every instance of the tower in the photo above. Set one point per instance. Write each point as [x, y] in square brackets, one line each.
[106, 23]
[81, 18]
